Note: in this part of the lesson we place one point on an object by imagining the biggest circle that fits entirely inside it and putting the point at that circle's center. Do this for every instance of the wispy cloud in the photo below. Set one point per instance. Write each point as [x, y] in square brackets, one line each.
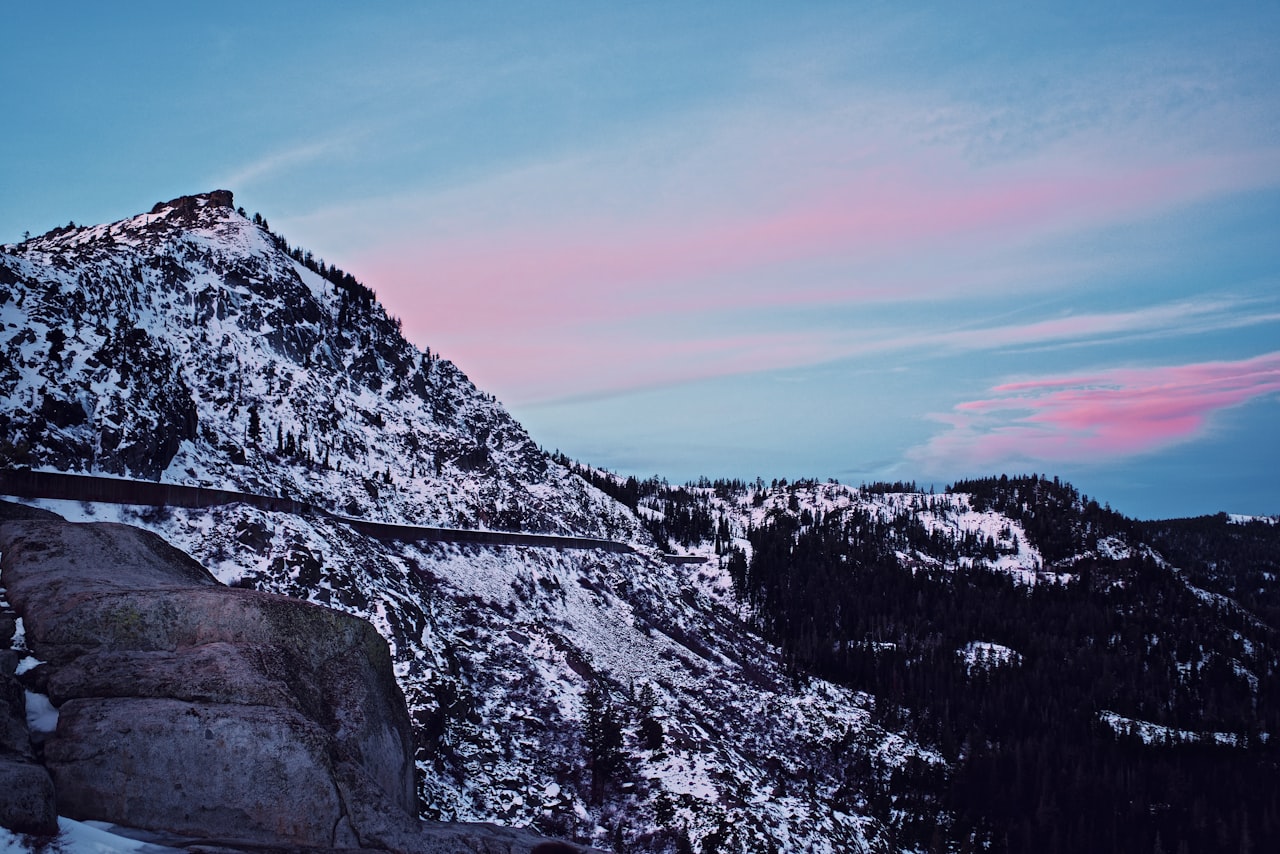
[269, 165]
[1091, 417]
[723, 241]
[1073, 330]
[925, 207]
[754, 212]
[543, 365]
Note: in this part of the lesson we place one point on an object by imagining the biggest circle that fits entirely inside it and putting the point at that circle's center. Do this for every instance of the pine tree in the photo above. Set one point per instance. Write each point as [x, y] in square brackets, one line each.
[602, 734]
[255, 425]
[652, 735]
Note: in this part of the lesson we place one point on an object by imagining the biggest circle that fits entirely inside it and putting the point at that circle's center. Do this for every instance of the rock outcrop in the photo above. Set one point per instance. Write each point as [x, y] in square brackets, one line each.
[203, 713]
[27, 804]
[198, 709]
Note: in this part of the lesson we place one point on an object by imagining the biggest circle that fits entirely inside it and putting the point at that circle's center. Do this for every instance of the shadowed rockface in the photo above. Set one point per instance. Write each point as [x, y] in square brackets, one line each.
[26, 791]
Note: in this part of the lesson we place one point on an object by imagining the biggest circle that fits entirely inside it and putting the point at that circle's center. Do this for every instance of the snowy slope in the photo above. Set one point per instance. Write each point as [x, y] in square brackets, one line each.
[985, 537]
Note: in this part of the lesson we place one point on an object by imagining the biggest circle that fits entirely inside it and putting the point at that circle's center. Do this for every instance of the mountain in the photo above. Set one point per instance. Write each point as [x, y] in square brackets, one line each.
[188, 345]
[1006, 666]
[1093, 682]
[591, 694]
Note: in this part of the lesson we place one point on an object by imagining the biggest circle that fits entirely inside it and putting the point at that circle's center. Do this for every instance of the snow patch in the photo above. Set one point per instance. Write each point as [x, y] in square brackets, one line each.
[1112, 548]
[78, 837]
[1156, 734]
[986, 655]
[41, 715]
[1240, 519]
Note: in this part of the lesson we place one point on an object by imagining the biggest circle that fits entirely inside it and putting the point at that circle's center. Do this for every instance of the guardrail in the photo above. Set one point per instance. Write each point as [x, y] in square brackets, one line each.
[24, 483]
[681, 560]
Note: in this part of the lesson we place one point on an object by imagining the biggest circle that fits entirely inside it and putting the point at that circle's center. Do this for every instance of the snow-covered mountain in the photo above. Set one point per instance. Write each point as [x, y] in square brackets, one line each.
[974, 535]
[1097, 683]
[588, 694]
[188, 345]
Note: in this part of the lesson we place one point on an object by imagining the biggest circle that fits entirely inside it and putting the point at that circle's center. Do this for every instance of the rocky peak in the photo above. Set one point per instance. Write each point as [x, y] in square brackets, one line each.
[188, 204]
[192, 345]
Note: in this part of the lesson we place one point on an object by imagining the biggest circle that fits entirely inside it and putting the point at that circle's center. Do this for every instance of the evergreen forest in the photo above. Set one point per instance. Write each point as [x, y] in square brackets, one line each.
[1047, 746]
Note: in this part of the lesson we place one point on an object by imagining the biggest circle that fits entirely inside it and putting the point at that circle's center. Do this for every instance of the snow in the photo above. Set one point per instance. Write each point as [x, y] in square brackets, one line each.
[1239, 519]
[78, 837]
[41, 715]
[1113, 549]
[986, 655]
[950, 515]
[1156, 734]
[1222, 602]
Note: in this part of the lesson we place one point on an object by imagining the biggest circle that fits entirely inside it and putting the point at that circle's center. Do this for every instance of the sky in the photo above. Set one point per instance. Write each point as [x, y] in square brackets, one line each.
[865, 241]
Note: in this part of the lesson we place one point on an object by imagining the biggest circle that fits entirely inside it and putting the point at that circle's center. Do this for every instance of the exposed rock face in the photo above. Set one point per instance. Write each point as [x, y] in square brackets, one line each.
[26, 790]
[187, 206]
[28, 802]
[27, 805]
[203, 710]
[252, 773]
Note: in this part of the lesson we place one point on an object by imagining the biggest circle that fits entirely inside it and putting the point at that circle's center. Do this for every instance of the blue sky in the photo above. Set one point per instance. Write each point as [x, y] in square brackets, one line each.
[844, 240]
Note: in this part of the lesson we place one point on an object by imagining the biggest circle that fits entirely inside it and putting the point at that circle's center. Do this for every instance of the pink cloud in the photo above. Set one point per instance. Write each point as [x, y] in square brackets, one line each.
[556, 303]
[528, 363]
[582, 270]
[567, 278]
[550, 367]
[1104, 415]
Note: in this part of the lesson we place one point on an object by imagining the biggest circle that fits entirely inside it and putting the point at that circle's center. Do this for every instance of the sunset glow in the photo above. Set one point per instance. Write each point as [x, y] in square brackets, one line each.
[688, 239]
[1105, 416]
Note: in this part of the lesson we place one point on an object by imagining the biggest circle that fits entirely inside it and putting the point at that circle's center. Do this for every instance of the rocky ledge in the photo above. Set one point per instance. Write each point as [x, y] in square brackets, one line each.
[210, 714]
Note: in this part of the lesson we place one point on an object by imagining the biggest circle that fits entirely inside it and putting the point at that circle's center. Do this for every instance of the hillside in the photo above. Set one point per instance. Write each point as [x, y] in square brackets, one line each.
[1096, 683]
